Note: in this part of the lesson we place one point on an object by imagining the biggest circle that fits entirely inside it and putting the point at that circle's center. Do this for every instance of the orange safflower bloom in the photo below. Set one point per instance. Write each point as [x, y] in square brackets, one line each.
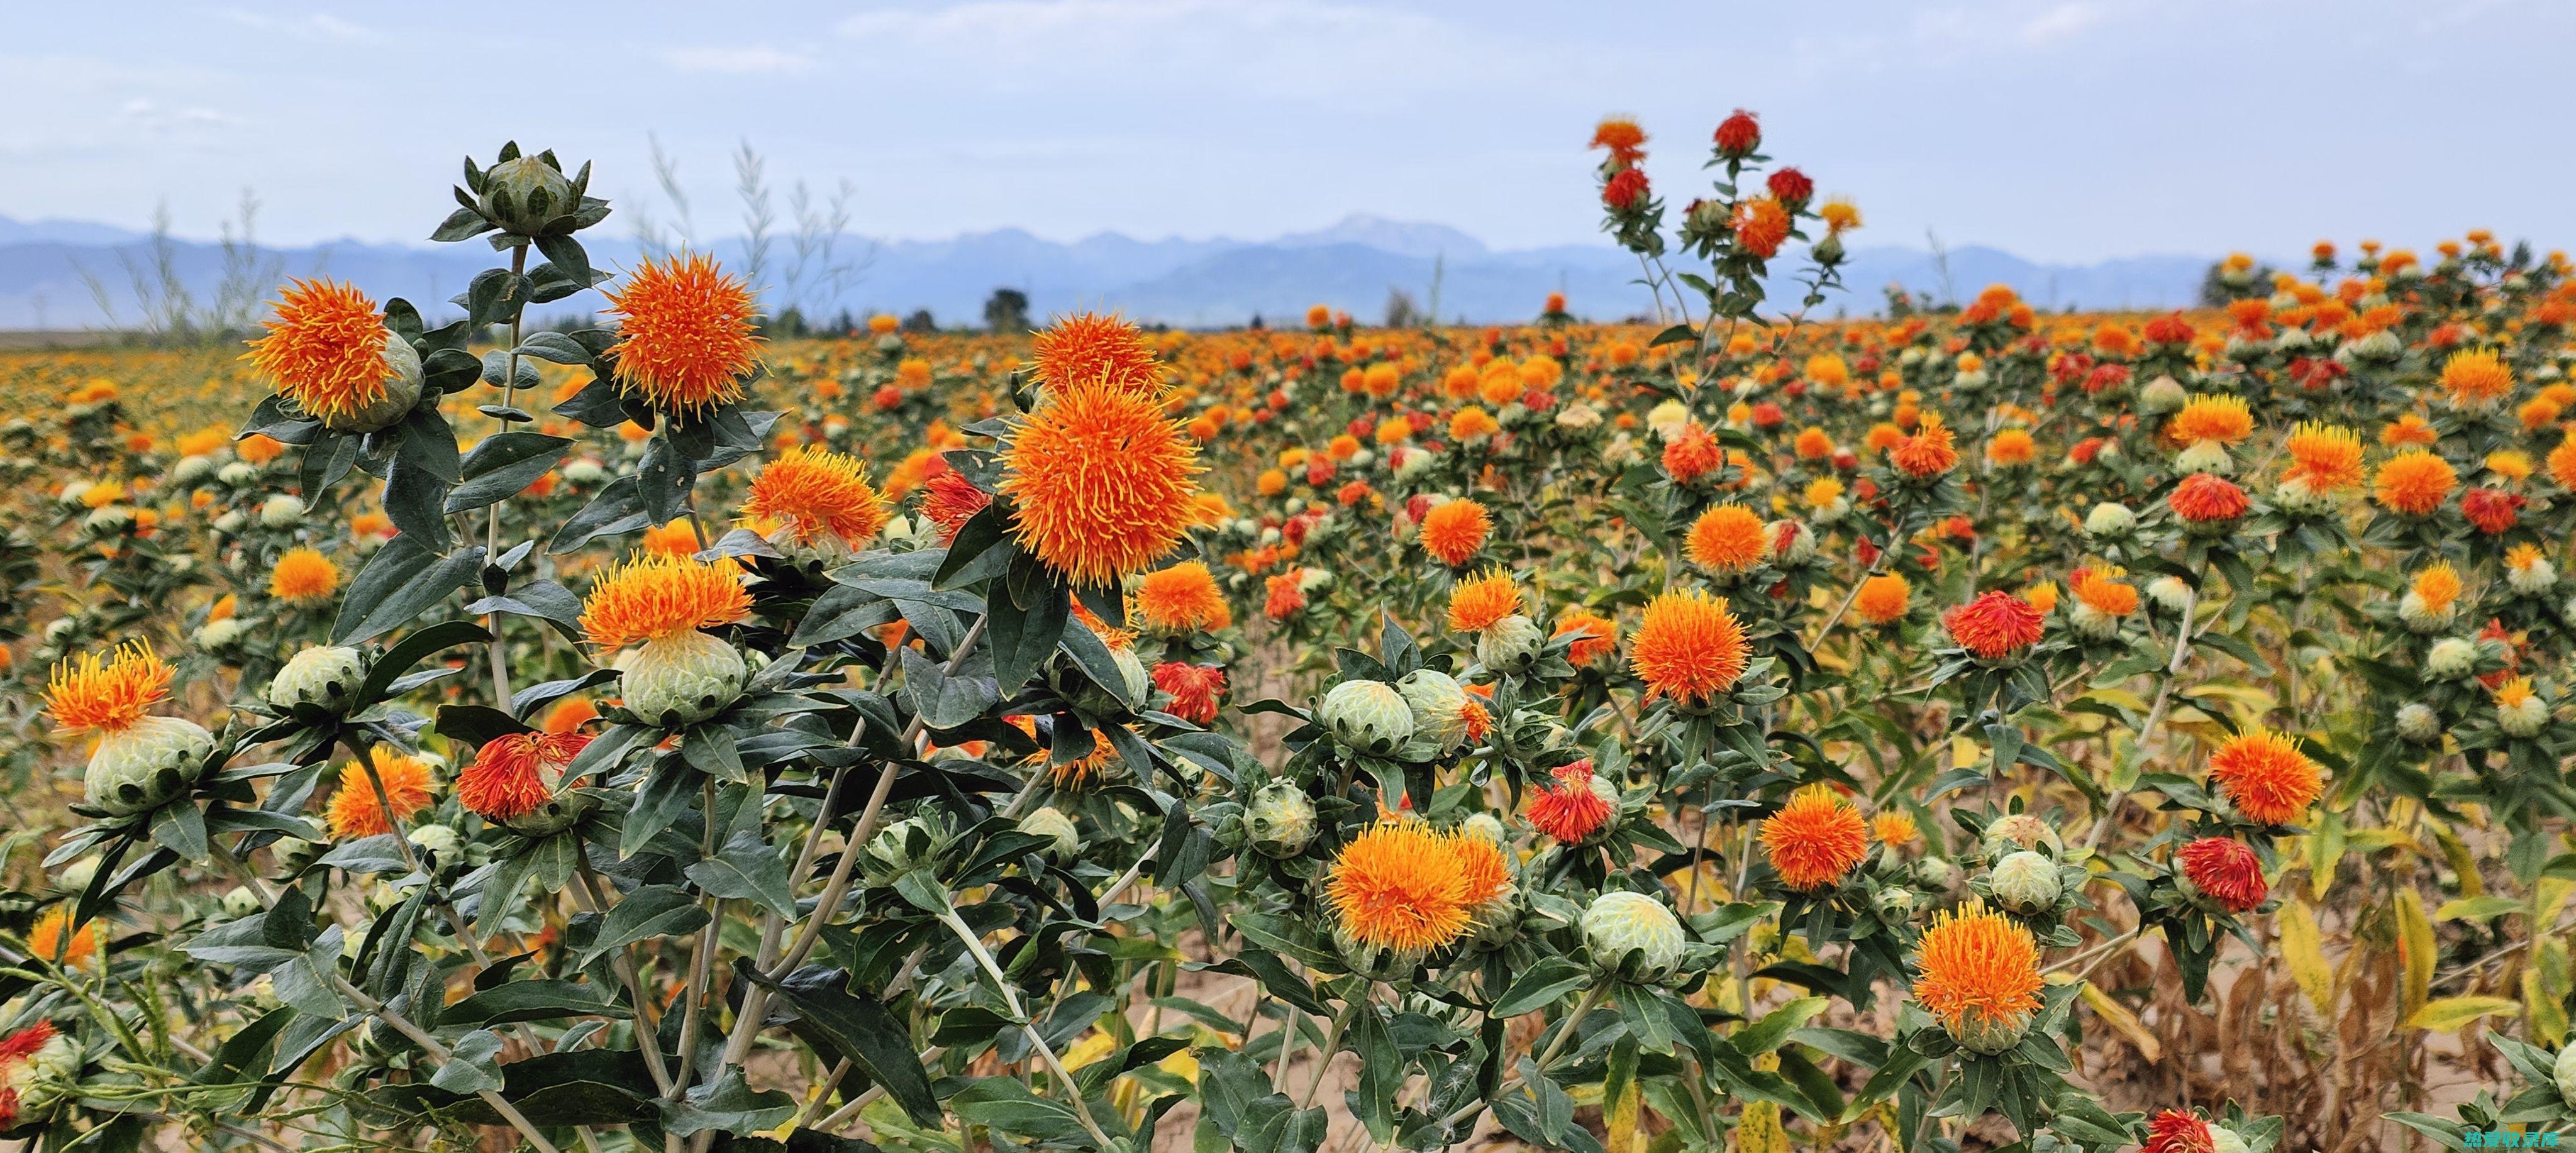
[1978, 970]
[1089, 348]
[2265, 776]
[1103, 480]
[1472, 423]
[2222, 419]
[2476, 379]
[1929, 453]
[53, 939]
[1815, 839]
[2415, 482]
[1728, 539]
[1812, 444]
[1454, 530]
[355, 810]
[2102, 591]
[814, 493]
[1179, 599]
[1479, 604]
[1761, 226]
[93, 695]
[326, 349]
[1625, 141]
[1692, 454]
[653, 596]
[570, 714]
[1689, 647]
[1402, 885]
[1883, 599]
[1595, 636]
[1283, 596]
[686, 334]
[303, 576]
[2011, 446]
[1893, 828]
[2408, 430]
[2325, 458]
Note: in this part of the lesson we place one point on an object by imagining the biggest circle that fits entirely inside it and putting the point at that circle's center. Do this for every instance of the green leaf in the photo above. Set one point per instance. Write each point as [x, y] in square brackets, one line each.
[1022, 638]
[747, 868]
[554, 346]
[504, 465]
[830, 1016]
[1765, 1035]
[1541, 985]
[472, 1066]
[413, 649]
[728, 1106]
[1005, 1105]
[181, 828]
[511, 1002]
[400, 582]
[648, 912]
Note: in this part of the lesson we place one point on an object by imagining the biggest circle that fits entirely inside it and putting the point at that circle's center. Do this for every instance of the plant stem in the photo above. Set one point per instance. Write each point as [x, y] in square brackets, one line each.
[1564, 1034]
[702, 962]
[1332, 1044]
[593, 898]
[500, 649]
[984, 959]
[2155, 717]
[755, 1000]
[418, 1036]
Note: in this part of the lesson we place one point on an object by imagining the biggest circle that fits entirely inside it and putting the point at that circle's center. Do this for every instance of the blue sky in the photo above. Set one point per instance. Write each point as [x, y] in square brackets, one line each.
[2058, 129]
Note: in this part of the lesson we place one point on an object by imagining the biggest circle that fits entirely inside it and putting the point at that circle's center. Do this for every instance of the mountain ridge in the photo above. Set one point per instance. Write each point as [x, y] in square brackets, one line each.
[53, 273]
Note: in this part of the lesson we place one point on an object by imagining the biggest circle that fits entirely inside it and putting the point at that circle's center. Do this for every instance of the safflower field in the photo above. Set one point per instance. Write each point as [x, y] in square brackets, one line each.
[1973, 729]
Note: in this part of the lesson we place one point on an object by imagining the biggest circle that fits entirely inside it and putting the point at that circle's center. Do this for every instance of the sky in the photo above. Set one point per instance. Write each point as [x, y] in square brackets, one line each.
[2065, 130]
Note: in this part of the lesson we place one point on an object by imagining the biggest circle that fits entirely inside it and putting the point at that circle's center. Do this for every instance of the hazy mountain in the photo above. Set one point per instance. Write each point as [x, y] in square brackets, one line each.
[53, 273]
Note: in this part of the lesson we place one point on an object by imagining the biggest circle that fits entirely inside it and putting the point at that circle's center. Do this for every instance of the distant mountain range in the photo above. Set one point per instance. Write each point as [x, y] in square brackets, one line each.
[53, 274]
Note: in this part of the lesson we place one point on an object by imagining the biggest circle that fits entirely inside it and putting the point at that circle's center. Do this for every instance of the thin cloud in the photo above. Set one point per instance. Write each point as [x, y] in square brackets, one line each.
[746, 60]
[312, 27]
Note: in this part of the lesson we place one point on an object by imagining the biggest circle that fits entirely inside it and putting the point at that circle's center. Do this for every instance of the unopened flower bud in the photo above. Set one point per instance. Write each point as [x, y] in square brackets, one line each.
[1633, 937]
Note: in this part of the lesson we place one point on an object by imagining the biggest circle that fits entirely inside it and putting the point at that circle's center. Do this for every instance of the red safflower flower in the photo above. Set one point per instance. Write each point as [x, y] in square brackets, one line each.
[2207, 498]
[2169, 329]
[1195, 689]
[1738, 135]
[2174, 1131]
[1625, 191]
[952, 500]
[1791, 187]
[518, 773]
[1569, 810]
[2493, 510]
[2226, 870]
[1995, 625]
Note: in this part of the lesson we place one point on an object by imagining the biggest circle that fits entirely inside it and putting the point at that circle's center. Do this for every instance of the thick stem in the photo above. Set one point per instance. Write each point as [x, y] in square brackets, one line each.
[702, 962]
[500, 649]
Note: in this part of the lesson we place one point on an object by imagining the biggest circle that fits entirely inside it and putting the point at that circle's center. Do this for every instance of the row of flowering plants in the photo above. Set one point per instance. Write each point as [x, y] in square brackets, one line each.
[1972, 729]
